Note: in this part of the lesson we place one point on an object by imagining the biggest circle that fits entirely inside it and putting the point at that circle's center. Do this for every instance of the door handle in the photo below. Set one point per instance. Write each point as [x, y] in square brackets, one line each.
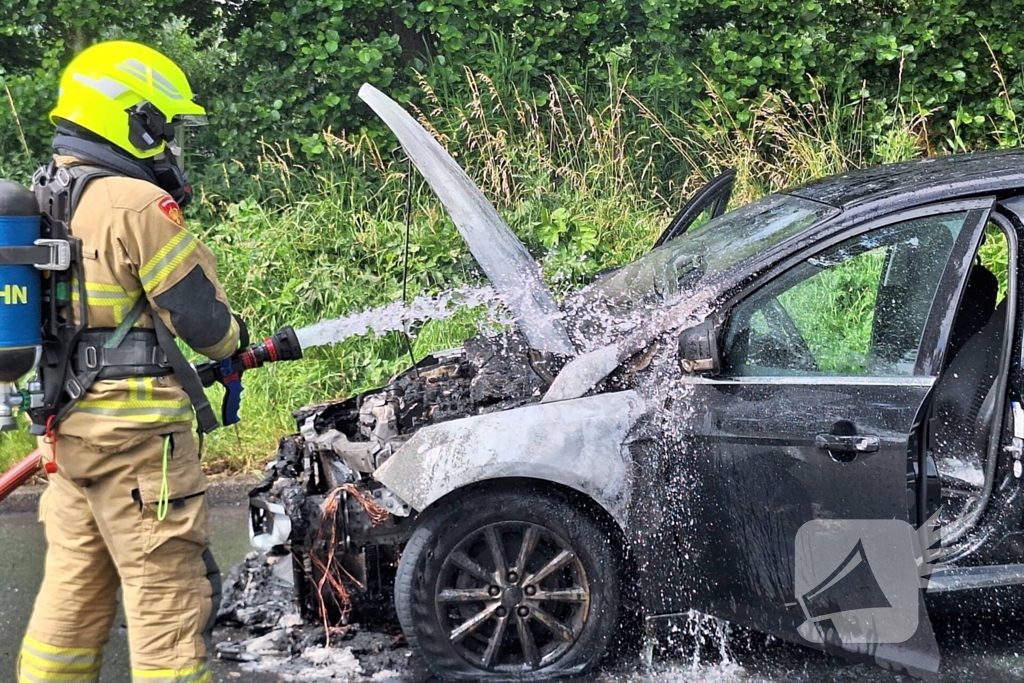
[854, 444]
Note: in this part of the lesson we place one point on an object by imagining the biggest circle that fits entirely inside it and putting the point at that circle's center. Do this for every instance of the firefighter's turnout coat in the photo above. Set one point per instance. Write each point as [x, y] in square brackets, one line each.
[126, 506]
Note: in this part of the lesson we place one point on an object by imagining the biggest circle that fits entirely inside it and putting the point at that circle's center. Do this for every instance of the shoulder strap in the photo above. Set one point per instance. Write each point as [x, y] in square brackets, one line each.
[59, 189]
[186, 374]
[81, 177]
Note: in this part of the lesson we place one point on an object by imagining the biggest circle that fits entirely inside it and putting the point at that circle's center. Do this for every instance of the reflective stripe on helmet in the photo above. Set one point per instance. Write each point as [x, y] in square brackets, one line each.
[140, 71]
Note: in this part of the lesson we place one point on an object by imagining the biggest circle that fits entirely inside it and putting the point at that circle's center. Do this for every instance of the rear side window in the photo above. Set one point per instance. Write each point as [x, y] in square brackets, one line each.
[856, 309]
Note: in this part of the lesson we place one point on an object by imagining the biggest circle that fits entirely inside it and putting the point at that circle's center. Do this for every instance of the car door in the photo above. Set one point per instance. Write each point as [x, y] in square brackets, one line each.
[712, 199]
[794, 468]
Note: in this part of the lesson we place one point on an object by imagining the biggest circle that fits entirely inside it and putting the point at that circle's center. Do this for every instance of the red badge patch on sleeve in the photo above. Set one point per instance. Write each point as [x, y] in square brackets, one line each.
[172, 211]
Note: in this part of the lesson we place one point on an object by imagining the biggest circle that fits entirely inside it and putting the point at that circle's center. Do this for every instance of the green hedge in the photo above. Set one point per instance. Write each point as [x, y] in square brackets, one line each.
[280, 73]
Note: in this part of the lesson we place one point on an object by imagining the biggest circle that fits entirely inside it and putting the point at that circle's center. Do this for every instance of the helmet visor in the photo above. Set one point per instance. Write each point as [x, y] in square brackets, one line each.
[189, 120]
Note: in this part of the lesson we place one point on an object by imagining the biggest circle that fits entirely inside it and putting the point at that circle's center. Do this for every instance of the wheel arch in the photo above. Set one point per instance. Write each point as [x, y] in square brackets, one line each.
[577, 497]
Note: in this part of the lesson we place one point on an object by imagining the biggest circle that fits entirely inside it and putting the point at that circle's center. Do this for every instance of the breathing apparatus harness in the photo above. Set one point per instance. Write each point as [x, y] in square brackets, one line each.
[74, 357]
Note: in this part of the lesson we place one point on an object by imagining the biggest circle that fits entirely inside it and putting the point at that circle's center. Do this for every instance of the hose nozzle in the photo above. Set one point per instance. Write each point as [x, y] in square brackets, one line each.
[282, 346]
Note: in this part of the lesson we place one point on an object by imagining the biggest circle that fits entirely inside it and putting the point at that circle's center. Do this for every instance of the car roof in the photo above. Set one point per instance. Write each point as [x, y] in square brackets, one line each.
[921, 180]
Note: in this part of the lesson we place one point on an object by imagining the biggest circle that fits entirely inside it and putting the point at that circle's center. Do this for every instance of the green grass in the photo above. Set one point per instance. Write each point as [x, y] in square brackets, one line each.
[586, 179]
[835, 311]
[14, 446]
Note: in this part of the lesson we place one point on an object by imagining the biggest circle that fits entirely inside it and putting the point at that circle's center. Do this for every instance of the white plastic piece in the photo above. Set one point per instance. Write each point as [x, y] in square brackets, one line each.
[280, 530]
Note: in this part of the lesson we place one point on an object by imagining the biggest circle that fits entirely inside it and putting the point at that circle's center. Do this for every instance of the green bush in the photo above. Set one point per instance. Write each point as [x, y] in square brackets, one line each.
[39, 37]
[278, 74]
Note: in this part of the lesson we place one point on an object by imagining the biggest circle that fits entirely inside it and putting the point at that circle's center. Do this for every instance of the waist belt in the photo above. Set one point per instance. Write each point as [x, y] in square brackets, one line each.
[138, 355]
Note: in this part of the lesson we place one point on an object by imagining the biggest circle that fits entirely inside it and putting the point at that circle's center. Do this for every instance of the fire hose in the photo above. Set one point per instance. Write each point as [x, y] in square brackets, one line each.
[19, 474]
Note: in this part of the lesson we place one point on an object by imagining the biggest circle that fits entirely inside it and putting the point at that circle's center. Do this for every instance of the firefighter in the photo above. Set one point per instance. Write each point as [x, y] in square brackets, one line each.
[125, 505]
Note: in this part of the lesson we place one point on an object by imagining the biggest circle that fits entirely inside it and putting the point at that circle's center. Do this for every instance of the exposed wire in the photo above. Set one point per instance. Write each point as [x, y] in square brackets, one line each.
[377, 514]
[332, 574]
[331, 571]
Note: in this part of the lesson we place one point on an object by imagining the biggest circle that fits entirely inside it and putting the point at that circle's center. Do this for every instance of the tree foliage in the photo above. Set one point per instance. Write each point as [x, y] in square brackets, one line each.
[281, 73]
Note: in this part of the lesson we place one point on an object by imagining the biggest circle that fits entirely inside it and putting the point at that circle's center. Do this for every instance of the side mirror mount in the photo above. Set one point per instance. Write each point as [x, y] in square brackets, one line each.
[698, 349]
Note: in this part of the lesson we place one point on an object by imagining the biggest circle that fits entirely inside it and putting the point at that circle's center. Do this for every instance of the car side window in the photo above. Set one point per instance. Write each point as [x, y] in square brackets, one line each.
[858, 308]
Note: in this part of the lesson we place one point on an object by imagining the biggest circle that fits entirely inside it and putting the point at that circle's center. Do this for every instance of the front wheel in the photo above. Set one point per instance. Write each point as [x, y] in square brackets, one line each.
[510, 586]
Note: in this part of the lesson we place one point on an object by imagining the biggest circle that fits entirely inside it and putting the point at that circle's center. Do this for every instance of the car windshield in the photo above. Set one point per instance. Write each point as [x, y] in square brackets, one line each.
[701, 253]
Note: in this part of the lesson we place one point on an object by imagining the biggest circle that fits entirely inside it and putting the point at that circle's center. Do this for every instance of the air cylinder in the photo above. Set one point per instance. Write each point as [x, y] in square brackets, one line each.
[20, 286]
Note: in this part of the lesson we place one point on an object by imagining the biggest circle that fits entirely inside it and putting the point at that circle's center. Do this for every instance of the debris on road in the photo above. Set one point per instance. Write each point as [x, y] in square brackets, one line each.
[266, 633]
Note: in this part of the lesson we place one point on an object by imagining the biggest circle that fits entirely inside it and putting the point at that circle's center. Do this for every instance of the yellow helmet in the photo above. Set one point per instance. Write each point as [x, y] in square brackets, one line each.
[127, 94]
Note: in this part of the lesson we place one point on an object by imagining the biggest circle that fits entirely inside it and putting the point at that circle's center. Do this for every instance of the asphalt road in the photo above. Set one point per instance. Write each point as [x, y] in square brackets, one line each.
[22, 549]
[975, 649]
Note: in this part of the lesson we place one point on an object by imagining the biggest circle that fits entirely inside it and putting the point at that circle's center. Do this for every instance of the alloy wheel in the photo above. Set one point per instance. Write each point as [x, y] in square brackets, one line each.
[512, 596]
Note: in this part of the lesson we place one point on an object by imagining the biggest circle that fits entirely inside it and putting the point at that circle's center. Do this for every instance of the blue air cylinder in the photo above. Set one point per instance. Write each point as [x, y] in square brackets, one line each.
[20, 286]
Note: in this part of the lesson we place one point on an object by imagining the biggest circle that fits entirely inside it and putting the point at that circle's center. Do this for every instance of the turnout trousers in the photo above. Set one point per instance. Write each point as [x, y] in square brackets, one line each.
[134, 519]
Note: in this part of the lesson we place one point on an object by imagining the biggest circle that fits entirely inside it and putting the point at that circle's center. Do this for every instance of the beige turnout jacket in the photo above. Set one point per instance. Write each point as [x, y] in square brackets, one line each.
[135, 244]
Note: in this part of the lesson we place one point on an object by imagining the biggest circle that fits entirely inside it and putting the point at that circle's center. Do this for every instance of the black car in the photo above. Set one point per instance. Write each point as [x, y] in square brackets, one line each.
[802, 416]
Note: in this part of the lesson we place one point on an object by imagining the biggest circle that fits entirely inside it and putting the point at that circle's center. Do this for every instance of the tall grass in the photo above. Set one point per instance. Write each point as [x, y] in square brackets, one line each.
[587, 179]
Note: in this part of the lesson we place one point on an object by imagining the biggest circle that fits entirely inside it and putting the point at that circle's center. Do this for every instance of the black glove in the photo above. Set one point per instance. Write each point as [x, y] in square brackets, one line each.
[243, 332]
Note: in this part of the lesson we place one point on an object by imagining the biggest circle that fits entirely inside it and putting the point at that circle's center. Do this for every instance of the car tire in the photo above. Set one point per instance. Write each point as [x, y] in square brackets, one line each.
[471, 622]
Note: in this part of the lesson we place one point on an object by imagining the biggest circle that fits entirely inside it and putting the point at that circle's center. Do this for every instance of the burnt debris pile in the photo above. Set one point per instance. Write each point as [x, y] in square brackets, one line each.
[261, 627]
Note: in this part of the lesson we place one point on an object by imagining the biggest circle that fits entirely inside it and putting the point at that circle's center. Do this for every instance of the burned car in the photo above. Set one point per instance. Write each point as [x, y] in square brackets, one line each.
[802, 416]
